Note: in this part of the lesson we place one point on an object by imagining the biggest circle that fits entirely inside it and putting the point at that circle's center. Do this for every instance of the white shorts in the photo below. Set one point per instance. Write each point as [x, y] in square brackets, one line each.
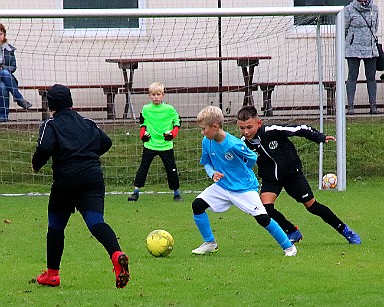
[221, 200]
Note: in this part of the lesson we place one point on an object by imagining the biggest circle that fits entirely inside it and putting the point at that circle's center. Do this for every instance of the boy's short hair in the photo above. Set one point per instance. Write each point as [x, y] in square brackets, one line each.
[211, 115]
[156, 87]
[246, 113]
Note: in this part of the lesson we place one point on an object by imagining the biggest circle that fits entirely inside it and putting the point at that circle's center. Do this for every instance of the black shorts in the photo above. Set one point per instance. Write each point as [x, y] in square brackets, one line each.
[296, 186]
[85, 196]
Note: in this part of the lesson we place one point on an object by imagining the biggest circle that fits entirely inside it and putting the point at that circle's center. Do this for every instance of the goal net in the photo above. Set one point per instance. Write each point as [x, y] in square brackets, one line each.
[283, 64]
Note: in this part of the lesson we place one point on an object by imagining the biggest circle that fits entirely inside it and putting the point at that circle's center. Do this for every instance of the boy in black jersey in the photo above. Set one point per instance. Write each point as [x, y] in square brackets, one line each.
[75, 145]
[279, 166]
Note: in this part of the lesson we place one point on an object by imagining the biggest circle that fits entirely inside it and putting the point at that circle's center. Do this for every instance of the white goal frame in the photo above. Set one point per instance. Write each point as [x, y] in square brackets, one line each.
[227, 12]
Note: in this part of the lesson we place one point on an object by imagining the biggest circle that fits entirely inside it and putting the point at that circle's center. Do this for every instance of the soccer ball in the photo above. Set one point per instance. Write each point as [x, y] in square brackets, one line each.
[329, 181]
[160, 243]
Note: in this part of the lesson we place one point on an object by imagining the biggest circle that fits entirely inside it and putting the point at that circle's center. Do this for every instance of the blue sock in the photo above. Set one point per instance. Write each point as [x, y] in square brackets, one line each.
[176, 193]
[278, 234]
[202, 223]
[136, 191]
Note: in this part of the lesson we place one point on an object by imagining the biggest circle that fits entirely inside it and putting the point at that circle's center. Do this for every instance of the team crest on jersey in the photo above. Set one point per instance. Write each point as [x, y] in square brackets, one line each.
[273, 145]
[228, 155]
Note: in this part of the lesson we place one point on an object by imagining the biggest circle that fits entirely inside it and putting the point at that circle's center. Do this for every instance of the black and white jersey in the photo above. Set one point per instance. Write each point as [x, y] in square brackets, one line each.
[277, 156]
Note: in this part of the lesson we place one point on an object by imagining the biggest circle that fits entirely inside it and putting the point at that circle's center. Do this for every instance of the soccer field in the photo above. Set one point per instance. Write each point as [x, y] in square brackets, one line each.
[249, 269]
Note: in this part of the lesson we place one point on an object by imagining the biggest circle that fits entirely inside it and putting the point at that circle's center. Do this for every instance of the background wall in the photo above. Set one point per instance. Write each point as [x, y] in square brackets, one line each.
[48, 54]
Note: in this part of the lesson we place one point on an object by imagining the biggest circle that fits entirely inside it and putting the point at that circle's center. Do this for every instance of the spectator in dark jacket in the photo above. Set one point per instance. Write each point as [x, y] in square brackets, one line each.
[75, 145]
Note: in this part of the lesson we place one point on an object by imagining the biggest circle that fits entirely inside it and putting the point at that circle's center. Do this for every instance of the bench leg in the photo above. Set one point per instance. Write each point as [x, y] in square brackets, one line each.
[128, 81]
[248, 69]
[111, 114]
[44, 105]
[248, 77]
[331, 105]
[128, 106]
[331, 98]
[267, 99]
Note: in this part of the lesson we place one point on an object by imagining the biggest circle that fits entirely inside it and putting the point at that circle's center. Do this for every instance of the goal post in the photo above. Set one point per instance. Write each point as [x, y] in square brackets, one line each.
[294, 57]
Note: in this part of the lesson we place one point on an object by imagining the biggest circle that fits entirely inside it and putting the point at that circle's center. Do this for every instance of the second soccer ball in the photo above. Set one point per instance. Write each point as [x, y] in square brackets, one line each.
[329, 181]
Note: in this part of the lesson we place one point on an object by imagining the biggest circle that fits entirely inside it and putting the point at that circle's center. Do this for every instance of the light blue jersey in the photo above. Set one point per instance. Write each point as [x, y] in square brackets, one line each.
[232, 158]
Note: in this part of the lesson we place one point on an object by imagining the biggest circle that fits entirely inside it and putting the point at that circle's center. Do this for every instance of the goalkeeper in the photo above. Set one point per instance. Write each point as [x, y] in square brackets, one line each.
[159, 126]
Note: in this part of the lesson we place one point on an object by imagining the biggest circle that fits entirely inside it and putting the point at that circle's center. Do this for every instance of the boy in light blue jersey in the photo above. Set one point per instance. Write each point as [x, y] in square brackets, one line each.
[229, 162]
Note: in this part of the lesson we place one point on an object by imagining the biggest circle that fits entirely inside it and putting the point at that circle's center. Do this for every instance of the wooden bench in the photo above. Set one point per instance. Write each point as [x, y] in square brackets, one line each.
[330, 86]
[183, 90]
[246, 63]
[111, 90]
[108, 89]
[331, 94]
[268, 87]
[118, 89]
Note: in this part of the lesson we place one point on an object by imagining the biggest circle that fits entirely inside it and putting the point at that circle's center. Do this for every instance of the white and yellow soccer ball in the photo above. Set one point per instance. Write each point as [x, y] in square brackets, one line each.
[329, 181]
[160, 243]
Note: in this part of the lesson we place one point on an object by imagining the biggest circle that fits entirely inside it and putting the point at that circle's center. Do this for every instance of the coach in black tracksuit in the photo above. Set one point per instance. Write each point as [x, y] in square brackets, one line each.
[75, 145]
[279, 166]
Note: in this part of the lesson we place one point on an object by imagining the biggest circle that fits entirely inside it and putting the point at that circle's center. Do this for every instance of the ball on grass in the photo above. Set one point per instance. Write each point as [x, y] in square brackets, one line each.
[160, 243]
[329, 181]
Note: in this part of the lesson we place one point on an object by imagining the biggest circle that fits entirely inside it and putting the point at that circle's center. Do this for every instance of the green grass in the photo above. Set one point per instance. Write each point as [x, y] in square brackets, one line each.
[365, 152]
[249, 269]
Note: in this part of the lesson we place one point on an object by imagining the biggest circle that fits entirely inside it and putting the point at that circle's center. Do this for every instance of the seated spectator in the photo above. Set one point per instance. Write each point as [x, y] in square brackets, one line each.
[8, 82]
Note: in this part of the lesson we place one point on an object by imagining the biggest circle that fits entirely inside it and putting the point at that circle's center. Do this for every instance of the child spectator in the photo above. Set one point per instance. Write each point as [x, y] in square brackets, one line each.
[229, 162]
[279, 166]
[159, 126]
[75, 145]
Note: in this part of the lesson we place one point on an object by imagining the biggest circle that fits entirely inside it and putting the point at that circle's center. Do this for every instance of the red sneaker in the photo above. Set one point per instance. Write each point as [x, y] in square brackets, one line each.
[120, 267]
[48, 279]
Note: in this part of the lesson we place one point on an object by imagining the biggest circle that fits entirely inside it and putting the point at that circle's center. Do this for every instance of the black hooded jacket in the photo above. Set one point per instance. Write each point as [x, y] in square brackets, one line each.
[75, 145]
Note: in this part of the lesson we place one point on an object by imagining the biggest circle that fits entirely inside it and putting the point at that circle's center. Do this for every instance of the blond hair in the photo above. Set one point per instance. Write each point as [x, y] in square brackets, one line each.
[211, 115]
[156, 87]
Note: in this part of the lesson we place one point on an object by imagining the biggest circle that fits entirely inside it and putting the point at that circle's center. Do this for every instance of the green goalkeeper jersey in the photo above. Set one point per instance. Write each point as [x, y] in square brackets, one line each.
[159, 119]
